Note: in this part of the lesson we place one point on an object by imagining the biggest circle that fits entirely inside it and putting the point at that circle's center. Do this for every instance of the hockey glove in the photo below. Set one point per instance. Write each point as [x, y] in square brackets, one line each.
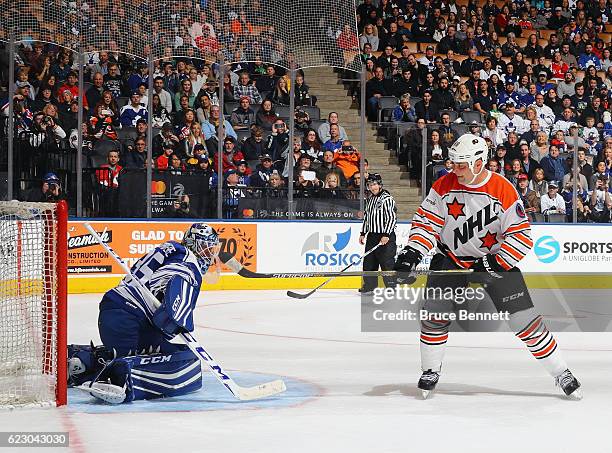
[406, 262]
[164, 321]
[487, 269]
[86, 361]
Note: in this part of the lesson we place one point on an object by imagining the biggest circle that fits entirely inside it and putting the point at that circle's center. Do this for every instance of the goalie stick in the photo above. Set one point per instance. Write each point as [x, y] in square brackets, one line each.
[242, 393]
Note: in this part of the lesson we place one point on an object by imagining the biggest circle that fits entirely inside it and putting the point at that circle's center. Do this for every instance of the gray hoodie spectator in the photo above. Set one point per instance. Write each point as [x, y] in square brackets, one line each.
[323, 130]
[566, 86]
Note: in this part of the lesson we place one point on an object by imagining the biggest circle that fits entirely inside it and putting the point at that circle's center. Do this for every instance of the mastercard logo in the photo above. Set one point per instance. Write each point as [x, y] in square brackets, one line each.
[247, 213]
[158, 187]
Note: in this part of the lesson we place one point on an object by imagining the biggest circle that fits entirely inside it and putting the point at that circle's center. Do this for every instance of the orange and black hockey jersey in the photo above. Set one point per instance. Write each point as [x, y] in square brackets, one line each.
[467, 222]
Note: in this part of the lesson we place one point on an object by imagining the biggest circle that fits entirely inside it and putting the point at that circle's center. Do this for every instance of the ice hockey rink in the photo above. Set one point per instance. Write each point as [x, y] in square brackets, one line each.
[348, 391]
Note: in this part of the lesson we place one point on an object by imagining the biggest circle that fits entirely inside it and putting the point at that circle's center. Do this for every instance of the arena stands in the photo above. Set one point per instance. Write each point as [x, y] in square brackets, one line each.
[209, 64]
[533, 78]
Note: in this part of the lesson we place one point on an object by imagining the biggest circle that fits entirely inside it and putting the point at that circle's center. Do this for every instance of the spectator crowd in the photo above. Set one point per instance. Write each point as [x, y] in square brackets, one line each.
[533, 78]
[184, 109]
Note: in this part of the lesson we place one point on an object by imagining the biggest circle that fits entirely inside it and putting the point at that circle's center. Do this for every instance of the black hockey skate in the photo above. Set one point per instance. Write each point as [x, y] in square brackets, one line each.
[366, 291]
[569, 384]
[427, 383]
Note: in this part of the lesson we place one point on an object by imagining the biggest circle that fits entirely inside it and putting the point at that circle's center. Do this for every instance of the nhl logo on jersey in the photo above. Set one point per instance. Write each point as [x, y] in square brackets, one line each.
[520, 210]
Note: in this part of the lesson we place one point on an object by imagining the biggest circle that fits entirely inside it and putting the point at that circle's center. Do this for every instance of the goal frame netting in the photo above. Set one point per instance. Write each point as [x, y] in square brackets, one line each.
[33, 304]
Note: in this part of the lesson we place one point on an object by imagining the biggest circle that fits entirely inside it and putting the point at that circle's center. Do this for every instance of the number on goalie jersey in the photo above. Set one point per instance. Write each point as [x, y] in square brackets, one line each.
[173, 274]
[136, 355]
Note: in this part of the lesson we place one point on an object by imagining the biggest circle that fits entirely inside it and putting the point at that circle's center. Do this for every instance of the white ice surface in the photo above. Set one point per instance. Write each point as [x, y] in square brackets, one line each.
[493, 396]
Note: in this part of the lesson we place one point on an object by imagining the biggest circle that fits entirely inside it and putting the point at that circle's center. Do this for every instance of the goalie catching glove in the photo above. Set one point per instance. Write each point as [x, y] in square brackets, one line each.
[406, 262]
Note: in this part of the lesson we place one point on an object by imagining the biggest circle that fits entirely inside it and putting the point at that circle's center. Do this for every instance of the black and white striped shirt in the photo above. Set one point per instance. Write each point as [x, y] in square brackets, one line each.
[380, 215]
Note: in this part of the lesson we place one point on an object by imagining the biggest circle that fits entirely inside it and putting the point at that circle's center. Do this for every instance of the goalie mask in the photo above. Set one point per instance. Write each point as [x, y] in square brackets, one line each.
[203, 241]
[469, 148]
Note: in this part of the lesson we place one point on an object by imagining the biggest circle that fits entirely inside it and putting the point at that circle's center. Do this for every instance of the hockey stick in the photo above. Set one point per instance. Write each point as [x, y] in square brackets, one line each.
[311, 292]
[242, 393]
[239, 269]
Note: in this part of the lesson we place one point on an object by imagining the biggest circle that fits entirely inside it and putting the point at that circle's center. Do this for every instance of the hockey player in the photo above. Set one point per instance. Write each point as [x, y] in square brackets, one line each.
[136, 359]
[476, 220]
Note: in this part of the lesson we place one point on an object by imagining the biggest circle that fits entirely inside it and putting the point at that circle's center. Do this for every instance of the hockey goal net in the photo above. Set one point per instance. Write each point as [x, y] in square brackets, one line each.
[33, 271]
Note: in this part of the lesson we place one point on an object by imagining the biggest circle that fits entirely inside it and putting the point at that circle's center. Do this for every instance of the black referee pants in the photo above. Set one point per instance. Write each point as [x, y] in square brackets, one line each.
[383, 257]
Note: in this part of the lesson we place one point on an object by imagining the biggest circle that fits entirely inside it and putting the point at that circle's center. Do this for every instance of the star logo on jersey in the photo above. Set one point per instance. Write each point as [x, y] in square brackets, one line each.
[455, 209]
[488, 240]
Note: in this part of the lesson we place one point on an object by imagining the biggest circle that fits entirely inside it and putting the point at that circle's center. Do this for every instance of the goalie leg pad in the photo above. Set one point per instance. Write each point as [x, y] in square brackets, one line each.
[155, 375]
[166, 375]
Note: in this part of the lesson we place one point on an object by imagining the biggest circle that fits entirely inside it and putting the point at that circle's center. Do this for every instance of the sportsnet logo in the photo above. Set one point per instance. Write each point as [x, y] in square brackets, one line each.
[550, 250]
[547, 249]
[327, 251]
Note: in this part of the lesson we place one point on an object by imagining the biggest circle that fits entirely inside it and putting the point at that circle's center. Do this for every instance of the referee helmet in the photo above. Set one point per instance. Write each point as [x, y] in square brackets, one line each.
[375, 177]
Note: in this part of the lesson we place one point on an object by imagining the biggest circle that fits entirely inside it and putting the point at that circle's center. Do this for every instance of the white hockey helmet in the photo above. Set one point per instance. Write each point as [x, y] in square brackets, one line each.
[469, 148]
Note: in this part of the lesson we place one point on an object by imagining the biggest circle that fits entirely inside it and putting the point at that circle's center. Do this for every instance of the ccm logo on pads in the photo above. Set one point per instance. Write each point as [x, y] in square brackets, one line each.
[155, 359]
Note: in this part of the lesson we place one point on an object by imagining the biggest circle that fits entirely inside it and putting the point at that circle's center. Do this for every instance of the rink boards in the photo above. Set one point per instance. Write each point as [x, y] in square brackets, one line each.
[563, 256]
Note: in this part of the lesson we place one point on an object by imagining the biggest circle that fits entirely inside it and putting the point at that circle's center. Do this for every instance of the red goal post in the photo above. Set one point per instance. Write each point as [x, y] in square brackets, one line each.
[33, 299]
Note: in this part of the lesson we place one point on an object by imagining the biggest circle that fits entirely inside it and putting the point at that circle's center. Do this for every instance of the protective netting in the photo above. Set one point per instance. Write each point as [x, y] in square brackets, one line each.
[312, 33]
[28, 304]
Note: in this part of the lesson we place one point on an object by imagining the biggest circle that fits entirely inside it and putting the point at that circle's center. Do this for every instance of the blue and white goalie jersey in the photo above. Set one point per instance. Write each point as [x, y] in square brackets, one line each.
[174, 276]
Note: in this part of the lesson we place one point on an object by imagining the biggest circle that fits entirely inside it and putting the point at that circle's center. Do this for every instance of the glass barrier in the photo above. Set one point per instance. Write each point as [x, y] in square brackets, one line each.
[409, 155]
[76, 143]
[421, 150]
[3, 158]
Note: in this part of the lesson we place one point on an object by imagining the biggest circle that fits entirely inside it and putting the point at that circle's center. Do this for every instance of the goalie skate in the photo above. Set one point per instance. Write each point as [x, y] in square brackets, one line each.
[427, 382]
[569, 384]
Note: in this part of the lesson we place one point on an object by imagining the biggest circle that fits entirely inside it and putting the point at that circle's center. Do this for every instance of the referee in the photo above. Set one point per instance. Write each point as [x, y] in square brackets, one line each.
[379, 220]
